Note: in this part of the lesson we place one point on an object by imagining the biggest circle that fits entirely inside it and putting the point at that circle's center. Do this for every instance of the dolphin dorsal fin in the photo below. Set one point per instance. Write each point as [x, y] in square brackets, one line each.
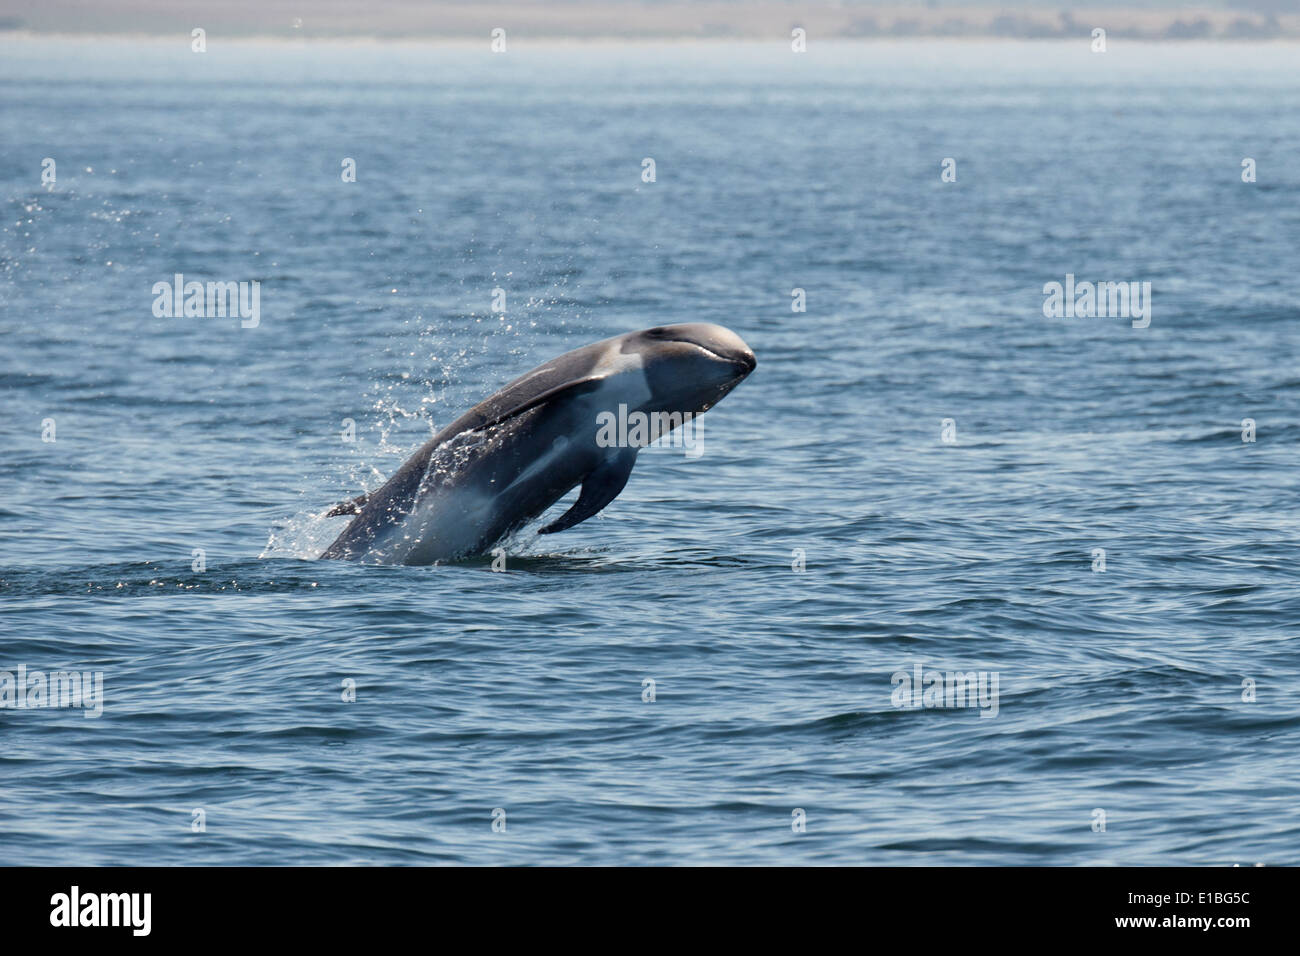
[599, 488]
[352, 506]
[491, 413]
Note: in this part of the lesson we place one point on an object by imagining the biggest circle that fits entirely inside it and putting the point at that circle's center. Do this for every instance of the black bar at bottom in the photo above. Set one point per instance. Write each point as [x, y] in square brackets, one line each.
[299, 905]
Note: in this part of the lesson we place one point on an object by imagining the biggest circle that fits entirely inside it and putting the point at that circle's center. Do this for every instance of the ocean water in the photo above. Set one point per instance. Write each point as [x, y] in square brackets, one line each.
[1156, 696]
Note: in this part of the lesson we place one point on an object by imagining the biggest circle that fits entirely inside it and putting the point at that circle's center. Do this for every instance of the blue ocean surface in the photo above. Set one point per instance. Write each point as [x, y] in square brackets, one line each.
[1089, 533]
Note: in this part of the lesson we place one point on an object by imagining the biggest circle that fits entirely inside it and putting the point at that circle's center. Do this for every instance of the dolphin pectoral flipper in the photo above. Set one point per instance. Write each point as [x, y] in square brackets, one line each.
[352, 506]
[599, 488]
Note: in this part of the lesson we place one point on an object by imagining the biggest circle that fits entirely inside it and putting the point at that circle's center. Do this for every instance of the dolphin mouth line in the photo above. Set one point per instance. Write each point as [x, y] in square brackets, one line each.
[749, 364]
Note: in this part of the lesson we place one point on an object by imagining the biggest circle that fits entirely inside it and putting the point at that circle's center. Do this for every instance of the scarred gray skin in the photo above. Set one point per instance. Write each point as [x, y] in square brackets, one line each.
[512, 456]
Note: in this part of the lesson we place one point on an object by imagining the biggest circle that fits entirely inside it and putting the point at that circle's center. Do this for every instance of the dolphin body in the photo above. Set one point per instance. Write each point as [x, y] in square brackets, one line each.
[512, 456]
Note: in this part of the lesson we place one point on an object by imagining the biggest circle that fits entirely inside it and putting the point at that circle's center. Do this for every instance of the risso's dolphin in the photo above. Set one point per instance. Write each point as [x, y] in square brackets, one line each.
[511, 457]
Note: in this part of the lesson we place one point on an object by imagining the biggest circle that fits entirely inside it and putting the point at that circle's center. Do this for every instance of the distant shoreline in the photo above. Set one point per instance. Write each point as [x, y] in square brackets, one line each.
[557, 40]
[636, 21]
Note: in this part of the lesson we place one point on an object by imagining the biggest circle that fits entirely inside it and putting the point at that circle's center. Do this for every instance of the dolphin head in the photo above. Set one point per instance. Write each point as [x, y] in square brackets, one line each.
[690, 367]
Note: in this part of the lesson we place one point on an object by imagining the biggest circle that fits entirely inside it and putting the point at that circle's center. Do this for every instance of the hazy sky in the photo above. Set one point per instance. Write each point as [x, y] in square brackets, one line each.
[468, 19]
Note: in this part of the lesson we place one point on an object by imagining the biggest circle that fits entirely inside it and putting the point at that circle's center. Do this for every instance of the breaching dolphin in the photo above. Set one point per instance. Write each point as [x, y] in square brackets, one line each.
[512, 456]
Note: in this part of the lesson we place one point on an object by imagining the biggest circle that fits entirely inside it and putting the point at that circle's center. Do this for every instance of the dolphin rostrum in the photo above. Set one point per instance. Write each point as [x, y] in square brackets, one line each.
[512, 456]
